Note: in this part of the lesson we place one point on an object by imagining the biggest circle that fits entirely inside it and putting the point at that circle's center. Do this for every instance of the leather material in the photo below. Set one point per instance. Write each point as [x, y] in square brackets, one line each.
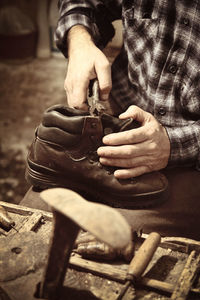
[64, 154]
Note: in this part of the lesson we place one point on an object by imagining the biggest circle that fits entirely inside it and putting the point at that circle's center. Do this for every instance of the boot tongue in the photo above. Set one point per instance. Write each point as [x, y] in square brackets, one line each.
[67, 111]
[112, 124]
[65, 118]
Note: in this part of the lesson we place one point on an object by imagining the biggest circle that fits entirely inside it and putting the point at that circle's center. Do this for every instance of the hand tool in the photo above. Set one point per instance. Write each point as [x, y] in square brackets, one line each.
[72, 213]
[88, 246]
[96, 106]
[140, 261]
[100, 251]
[5, 220]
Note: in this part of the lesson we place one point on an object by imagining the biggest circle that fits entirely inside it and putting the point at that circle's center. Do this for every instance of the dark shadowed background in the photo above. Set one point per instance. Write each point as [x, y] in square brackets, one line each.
[32, 74]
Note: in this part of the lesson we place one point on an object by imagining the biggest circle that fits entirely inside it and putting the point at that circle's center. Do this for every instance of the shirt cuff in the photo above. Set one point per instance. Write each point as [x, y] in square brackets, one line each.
[67, 22]
[185, 145]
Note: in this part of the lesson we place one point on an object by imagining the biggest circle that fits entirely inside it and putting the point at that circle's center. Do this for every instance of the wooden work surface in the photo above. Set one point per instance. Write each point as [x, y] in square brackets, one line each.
[23, 257]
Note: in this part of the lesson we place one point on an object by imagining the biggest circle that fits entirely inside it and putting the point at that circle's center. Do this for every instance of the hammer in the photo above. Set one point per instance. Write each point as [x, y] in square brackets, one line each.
[72, 213]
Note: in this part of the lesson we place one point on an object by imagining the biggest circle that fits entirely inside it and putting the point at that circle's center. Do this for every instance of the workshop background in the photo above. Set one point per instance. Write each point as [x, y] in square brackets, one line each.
[32, 74]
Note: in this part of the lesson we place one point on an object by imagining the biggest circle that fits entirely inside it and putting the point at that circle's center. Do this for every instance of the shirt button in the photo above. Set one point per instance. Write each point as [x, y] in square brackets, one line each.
[162, 111]
[173, 69]
[146, 15]
[186, 21]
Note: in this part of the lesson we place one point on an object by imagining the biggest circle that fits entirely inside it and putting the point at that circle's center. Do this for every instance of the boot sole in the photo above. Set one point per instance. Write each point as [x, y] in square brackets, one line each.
[44, 178]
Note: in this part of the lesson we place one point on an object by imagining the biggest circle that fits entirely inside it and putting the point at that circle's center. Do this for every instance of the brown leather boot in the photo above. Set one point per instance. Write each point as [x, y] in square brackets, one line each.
[64, 154]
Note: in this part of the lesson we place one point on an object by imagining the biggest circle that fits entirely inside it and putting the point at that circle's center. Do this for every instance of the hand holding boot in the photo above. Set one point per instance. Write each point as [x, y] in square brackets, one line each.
[64, 154]
[136, 151]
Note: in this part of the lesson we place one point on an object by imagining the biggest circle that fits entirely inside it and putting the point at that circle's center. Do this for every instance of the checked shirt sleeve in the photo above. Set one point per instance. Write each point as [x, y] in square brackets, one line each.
[94, 15]
[185, 145]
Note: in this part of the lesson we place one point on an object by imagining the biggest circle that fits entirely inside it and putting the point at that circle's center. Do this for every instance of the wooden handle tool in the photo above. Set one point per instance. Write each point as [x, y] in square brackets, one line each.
[6, 222]
[140, 261]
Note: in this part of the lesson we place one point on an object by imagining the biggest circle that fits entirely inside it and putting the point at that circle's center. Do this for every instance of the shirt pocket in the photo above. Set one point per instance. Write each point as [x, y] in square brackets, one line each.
[146, 29]
[190, 100]
[141, 42]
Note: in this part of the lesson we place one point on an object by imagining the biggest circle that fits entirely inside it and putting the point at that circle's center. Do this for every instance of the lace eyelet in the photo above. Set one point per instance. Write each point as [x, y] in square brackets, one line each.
[108, 130]
[109, 172]
[92, 157]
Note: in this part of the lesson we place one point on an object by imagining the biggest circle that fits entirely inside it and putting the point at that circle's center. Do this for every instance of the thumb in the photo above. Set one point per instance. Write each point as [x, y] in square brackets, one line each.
[136, 113]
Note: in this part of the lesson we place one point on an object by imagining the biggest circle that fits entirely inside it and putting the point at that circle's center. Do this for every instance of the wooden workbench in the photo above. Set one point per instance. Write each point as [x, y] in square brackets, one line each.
[23, 256]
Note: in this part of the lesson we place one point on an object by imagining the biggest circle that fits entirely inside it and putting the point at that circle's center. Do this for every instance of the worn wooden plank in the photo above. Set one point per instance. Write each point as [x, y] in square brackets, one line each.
[174, 243]
[161, 285]
[25, 211]
[180, 240]
[187, 277]
[118, 273]
[110, 271]
[19, 225]
[181, 244]
[32, 222]
[114, 272]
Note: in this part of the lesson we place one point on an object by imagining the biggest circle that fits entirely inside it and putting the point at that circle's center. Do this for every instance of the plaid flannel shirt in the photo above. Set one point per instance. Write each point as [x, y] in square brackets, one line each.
[158, 66]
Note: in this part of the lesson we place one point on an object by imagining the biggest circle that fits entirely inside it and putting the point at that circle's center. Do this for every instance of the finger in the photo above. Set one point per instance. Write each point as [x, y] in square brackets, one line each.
[104, 78]
[136, 113]
[77, 96]
[136, 135]
[81, 106]
[76, 91]
[132, 172]
[125, 162]
[124, 151]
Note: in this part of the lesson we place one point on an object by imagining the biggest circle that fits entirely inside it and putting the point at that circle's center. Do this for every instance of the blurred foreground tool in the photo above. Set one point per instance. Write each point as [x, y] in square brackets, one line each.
[72, 213]
[6, 222]
[139, 262]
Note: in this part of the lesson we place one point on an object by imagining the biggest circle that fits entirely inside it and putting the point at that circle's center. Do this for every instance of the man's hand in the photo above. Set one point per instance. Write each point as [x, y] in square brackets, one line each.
[86, 62]
[137, 151]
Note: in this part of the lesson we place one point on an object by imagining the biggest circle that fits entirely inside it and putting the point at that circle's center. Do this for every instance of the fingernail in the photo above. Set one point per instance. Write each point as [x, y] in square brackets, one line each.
[105, 139]
[117, 173]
